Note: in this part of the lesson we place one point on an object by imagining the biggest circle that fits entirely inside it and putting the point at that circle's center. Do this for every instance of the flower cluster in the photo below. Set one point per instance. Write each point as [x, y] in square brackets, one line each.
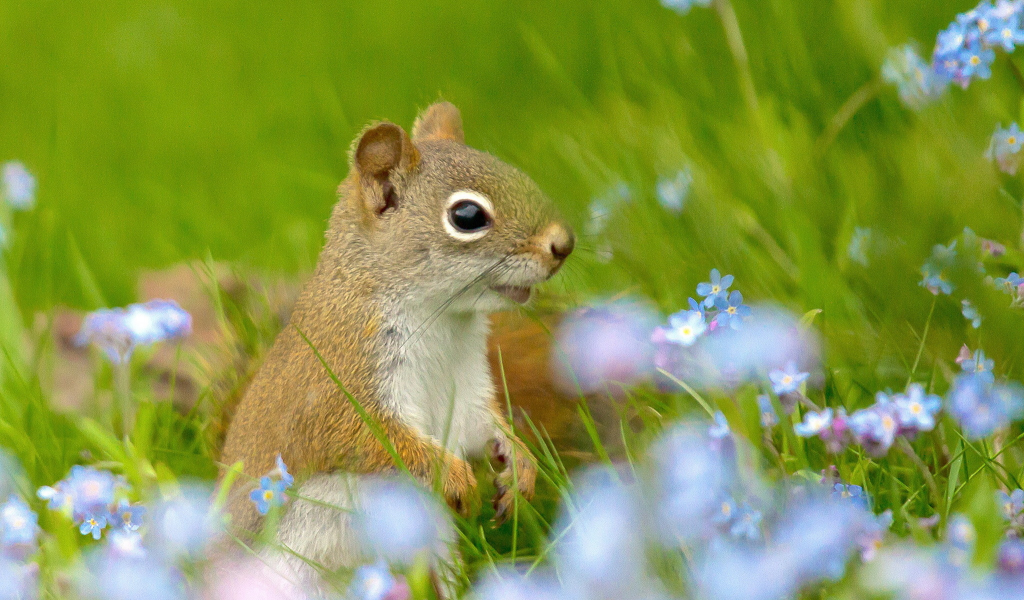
[983, 407]
[875, 427]
[718, 308]
[915, 80]
[966, 49]
[698, 499]
[271, 491]
[118, 331]
[95, 500]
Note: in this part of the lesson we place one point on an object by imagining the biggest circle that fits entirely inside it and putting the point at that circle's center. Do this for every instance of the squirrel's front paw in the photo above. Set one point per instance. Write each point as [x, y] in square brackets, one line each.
[459, 485]
[519, 473]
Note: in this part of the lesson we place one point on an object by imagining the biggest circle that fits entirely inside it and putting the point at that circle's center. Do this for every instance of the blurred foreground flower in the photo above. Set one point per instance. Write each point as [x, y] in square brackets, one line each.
[19, 529]
[936, 270]
[603, 347]
[118, 331]
[673, 191]
[399, 522]
[983, 407]
[19, 186]
[914, 78]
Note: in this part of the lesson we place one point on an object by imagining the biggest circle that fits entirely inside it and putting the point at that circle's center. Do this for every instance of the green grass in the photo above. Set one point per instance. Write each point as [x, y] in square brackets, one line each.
[164, 132]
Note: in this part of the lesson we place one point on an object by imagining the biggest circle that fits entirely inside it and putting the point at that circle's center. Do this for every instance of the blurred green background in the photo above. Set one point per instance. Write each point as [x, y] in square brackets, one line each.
[164, 131]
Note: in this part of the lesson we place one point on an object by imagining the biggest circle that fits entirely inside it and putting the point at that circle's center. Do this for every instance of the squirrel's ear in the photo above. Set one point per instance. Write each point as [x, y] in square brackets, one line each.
[441, 121]
[383, 149]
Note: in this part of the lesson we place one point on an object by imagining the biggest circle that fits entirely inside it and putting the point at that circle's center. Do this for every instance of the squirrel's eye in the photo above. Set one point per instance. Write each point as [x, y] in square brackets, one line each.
[468, 216]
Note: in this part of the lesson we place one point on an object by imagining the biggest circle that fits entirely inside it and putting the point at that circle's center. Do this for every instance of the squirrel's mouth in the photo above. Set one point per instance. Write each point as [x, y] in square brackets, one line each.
[518, 294]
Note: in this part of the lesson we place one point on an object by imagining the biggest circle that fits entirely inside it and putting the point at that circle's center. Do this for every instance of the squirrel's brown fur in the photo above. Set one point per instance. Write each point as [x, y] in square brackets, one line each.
[385, 251]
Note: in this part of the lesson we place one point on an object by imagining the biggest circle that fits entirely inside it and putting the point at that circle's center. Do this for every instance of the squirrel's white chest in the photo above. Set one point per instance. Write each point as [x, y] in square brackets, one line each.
[440, 382]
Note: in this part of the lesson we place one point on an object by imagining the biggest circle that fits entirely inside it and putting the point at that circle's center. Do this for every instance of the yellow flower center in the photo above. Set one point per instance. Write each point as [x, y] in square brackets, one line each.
[726, 509]
[975, 60]
[1011, 140]
[126, 517]
[731, 310]
[787, 379]
[268, 495]
[715, 289]
[916, 408]
[980, 367]
[888, 423]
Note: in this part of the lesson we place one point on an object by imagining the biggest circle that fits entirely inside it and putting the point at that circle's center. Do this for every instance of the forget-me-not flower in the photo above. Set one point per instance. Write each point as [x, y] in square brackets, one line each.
[93, 524]
[270, 494]
[731, 311]
[19, 526]
[814, 423]
[915, 80]
[684, 6]
[684, 327]
[127, 515]
[714, 289]
[917, 409]
[979, 365]
[788, 380]
[1005, 148]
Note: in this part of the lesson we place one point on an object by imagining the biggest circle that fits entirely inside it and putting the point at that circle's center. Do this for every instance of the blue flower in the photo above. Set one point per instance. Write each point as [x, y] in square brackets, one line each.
[1010, 283]
[269, 494]
[876, 427]
[19, 526]
[788, 380]
[118, 331]
[599, 552]
[935, 281]
[916, 82]
[1011, 505]
[971, 313]
[683, 6]
[672, 192]
[376, 582]
[282, 469]
[960, 539]
[721, 427]
[769, 418]
[19, 186]
[127, 516]
[1011, 557]
[851, 493]
[94, 525]
[1006, 33]
[693, 477]
[91, 491]
[726, 512]
[979, 365]
[917, 409]
[982, 408]
[746, 524]
[1004, 148]
[398, 521]
[185, 523]
[814, 423]
[732, 311]
[685, 327]
[717, 287]
[56, 498]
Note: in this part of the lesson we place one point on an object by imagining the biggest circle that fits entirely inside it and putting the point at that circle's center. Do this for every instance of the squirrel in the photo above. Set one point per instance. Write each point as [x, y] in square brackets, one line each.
[428, 238]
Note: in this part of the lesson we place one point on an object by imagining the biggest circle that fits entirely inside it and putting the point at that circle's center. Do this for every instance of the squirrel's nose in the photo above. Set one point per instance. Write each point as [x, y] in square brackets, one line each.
[559, 240]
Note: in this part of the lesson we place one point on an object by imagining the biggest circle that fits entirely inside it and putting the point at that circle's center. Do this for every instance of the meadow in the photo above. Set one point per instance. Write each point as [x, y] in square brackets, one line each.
[868, 208]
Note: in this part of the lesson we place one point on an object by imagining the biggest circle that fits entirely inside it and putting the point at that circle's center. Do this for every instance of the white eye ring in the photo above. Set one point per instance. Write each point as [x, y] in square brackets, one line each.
[466, 196]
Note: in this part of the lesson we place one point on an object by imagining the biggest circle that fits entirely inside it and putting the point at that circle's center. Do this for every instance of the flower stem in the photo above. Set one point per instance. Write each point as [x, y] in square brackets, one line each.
[851, 107]
[924, 336]
[928, 477]
[123, 414]
[734, 37]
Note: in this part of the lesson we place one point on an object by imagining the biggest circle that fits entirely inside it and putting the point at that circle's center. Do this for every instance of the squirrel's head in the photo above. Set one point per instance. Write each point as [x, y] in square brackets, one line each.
[446, 221]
